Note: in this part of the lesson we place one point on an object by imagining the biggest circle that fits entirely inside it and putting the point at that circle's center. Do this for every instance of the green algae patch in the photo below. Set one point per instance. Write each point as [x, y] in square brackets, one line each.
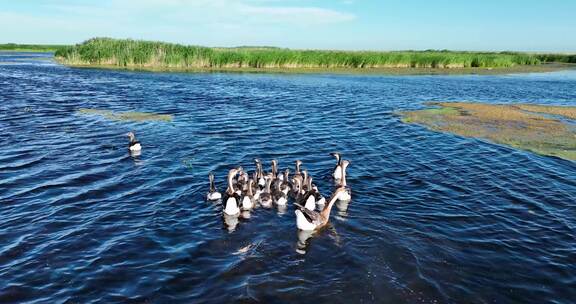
[546, 130]
[127, 116]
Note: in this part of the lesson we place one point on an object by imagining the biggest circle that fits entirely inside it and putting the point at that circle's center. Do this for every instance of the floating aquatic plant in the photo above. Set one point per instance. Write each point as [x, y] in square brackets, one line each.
[133, 116]
[528, 127]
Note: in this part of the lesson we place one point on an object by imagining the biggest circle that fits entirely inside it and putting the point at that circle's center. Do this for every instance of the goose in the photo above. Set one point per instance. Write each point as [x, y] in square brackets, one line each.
[238, 181]
[266, 196]
[213, 195]
[280, 194]
[320, 200]
[243, 181]
[297, 174]
[247, 200]
[134, 145]
[260, 174]
[231, 206]
[313, 196]
[345, 195]
[309, 198]
[308, 220]
[275, 179]
[337, 174]
[274, 169]
[255, 186]
[305, 180]
[284, 186]
[297, 189]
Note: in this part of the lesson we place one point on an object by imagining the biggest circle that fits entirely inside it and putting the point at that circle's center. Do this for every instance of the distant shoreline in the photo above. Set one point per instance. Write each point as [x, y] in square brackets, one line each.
[541, 68]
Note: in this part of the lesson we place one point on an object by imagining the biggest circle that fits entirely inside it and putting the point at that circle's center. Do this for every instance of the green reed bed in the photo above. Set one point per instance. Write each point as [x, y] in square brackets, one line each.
[30, 47]
[151, 54]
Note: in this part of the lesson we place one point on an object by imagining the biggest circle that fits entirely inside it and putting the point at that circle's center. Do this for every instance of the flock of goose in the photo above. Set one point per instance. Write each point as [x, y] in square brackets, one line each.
[244, 191]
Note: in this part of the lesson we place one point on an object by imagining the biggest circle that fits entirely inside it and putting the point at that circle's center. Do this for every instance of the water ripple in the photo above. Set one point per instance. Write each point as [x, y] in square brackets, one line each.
[435, 218]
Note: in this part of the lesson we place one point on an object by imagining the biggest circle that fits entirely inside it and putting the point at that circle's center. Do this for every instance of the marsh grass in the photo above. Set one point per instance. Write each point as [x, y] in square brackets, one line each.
[521, 126]
[30, 47]
[137, 53]
[127, 116]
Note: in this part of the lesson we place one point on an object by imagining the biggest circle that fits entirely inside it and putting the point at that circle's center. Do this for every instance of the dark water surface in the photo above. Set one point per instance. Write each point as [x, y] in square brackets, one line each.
[435, 218]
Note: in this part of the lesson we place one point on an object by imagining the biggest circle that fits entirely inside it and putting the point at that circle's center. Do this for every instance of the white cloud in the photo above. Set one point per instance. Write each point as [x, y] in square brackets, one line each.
[240, 11]
[203, 22]
[306, 15]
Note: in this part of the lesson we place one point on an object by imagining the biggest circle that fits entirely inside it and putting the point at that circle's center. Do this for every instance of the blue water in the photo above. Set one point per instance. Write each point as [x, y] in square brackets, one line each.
[435, 218]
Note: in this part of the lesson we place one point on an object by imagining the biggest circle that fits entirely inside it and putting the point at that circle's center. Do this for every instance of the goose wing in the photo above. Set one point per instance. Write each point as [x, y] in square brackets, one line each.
[311, 216]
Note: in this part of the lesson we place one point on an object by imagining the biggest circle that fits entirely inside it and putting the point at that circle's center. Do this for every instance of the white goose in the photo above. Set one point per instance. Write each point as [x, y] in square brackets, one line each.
[134, 145]
[248, 199]
[231, 206]
[213, 194]
[281, 192]
[311, 220]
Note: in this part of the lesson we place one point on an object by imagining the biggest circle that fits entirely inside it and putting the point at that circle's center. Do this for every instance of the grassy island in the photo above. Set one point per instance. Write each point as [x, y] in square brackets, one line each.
[13, 47]
[547, 130]
[137, 54]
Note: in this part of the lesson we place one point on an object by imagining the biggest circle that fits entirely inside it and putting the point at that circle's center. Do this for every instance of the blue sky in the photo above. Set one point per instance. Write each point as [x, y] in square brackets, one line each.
[319, 24]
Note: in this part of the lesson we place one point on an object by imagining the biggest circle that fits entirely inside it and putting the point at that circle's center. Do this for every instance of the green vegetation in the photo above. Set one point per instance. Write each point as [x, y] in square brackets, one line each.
[523, 126]
[558, 58]
[150, 54]
[30, 47]
[134, 116]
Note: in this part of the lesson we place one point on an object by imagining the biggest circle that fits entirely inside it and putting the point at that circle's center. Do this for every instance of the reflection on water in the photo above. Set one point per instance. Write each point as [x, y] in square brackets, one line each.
[303, 241]
[342, 207]
[436, 218]
[281, 209]
[245, 214]
[231, 221]
[136, 154]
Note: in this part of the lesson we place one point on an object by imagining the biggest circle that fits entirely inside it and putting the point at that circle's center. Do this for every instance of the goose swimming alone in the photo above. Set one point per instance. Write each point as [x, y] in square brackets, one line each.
[213, 194]
[232, 203]
[311, 220]
[134, 145]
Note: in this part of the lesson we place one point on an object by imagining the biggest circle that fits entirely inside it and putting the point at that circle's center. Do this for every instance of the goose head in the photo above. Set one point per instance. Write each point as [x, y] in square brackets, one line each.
[337, 156]
[131, 136]
[298, 164]
[231, 174]
[274, 167]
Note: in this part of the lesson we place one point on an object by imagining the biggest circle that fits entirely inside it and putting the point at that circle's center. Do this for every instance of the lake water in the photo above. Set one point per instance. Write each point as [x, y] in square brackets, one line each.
[435, 218]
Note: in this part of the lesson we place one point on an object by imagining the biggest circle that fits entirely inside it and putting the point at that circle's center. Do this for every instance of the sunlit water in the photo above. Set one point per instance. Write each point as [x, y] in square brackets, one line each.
[435, 218]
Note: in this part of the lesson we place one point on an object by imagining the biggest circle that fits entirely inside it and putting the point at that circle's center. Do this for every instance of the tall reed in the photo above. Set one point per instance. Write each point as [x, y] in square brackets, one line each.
[137, 53]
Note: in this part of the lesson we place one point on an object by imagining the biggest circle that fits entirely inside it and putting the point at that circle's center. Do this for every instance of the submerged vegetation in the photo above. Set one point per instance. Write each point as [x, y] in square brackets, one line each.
[150, 54]
[134, 116]
[30, 47]
[547, 130]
